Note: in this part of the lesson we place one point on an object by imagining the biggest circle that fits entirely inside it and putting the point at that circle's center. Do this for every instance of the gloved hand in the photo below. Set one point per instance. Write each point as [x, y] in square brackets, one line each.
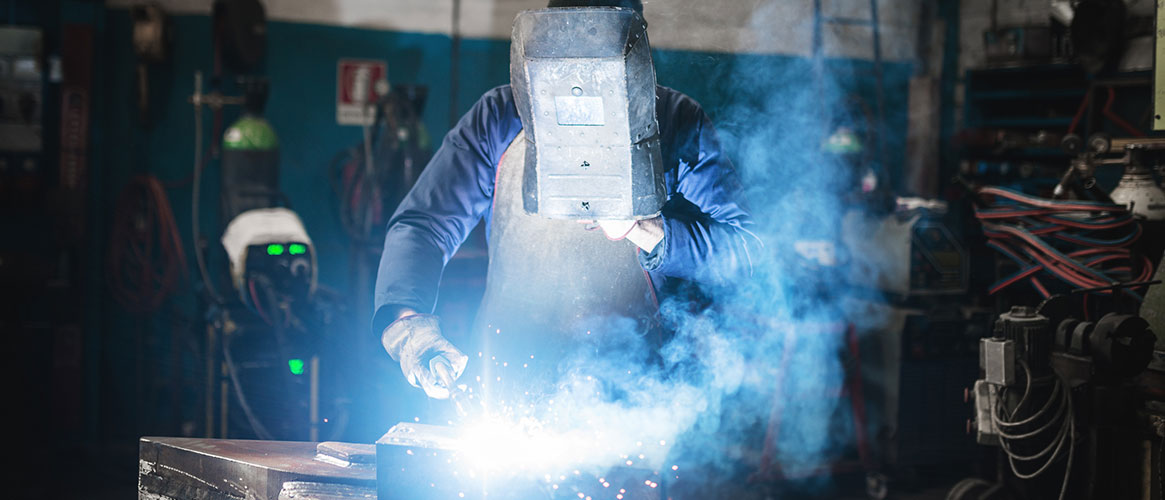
[416, 343]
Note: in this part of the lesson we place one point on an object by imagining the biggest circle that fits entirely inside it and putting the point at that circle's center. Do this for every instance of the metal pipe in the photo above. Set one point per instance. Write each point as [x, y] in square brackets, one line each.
[209, 415]
[314, 400]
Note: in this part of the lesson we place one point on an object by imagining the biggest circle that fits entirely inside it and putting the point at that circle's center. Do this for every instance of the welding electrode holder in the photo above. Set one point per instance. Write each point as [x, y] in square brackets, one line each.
[442, 369]
[415, 341]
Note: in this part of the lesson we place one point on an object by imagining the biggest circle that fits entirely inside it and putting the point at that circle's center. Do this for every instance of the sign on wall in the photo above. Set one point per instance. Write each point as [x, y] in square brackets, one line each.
[359, 82]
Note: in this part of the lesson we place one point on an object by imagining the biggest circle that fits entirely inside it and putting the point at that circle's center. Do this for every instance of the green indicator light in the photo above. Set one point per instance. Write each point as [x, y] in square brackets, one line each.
[275, 249]
[296, 366]
[297, 249]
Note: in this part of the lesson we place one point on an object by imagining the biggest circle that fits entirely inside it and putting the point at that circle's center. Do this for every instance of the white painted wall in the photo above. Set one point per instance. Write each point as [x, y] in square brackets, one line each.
[751, 26]
[975, 18]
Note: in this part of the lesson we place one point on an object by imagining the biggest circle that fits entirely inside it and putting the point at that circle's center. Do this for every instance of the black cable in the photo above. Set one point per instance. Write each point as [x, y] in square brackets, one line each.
[196, 191]
[241, 397]
[1066, 432]
[1160, 475]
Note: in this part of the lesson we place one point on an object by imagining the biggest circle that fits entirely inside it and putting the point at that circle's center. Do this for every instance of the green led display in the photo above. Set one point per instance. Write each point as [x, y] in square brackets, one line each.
[274, 249]
[297, 249]
[296, 366]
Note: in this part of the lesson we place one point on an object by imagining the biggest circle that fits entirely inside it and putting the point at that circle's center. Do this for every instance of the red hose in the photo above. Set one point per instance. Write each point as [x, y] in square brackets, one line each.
[145, 262]
[1092, 240]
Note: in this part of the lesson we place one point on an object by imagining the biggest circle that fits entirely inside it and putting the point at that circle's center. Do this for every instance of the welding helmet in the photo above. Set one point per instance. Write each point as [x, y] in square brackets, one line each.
[584, 86]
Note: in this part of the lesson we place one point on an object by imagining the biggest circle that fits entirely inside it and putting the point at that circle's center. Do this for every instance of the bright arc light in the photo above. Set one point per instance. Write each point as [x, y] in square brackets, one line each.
[499, 446]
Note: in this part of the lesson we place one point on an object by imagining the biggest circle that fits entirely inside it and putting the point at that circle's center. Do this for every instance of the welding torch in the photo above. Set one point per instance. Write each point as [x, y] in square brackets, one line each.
[462, 400]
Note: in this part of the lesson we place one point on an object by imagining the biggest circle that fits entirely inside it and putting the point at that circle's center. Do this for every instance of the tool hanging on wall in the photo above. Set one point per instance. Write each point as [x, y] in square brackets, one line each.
[145, 262]
[152, 38]
[371, 178]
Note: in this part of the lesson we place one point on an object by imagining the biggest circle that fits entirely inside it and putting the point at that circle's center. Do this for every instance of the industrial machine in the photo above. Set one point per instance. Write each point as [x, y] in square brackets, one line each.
[1057, 399]
[1069, 391]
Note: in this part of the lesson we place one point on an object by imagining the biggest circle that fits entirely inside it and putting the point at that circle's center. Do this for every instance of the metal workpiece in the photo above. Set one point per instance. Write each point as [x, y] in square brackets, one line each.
[224, 469]
[347, 454]
[420, 461]
[584, 85]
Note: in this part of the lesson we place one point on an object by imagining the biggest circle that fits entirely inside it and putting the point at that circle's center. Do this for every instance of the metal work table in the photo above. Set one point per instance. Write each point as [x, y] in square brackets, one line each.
[213, 469]
[227, 469]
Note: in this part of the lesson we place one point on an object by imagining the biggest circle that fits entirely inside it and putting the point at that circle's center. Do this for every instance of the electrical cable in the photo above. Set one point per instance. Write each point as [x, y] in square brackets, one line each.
[369, 173]
[1065, 434]
[196, 191]
[256, 305]
[145, 262]
[1035, 416]
[1052, 236]
[1071, 443]
[1160, 466]
[232, 371]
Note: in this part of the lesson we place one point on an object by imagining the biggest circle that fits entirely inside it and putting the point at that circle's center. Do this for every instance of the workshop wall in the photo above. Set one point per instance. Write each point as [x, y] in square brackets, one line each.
[752, 26]
[301, 64]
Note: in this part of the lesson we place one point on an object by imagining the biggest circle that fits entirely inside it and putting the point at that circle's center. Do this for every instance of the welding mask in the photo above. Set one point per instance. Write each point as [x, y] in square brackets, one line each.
[584, 85]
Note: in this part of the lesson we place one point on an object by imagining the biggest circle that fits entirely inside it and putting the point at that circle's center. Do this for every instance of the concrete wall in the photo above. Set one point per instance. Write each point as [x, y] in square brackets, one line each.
[753, 26]
[975, 18]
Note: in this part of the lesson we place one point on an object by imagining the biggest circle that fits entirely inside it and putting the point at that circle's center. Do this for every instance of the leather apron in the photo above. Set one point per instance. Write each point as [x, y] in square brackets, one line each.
[552, 287]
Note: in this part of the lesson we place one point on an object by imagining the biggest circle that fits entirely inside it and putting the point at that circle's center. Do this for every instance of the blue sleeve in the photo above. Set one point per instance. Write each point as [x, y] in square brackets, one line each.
[705, 221]
[452, 194]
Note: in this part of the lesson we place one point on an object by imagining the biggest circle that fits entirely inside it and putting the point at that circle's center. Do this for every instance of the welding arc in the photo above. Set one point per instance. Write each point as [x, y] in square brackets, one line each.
[145, 262]
[1009, 437]
[1024, 228]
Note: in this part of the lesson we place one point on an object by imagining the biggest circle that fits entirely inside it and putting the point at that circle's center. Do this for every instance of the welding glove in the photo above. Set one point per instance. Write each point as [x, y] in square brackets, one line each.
[416, 343]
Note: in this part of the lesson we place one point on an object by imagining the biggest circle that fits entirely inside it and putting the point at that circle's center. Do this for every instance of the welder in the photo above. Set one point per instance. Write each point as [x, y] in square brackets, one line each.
[675, 211]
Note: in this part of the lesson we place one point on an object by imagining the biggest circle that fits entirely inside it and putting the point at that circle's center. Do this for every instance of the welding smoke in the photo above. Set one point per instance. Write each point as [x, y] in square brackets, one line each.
[767, 345]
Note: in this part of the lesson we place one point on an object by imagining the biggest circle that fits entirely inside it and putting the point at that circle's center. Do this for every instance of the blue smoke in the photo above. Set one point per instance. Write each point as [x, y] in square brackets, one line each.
[765, 356]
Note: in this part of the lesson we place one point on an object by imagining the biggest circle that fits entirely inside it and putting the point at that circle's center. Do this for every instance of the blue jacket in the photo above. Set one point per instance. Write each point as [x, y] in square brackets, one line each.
[706, 235]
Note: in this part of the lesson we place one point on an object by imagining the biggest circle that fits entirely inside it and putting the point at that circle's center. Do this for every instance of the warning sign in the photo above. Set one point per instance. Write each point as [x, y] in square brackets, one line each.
[357, 82]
